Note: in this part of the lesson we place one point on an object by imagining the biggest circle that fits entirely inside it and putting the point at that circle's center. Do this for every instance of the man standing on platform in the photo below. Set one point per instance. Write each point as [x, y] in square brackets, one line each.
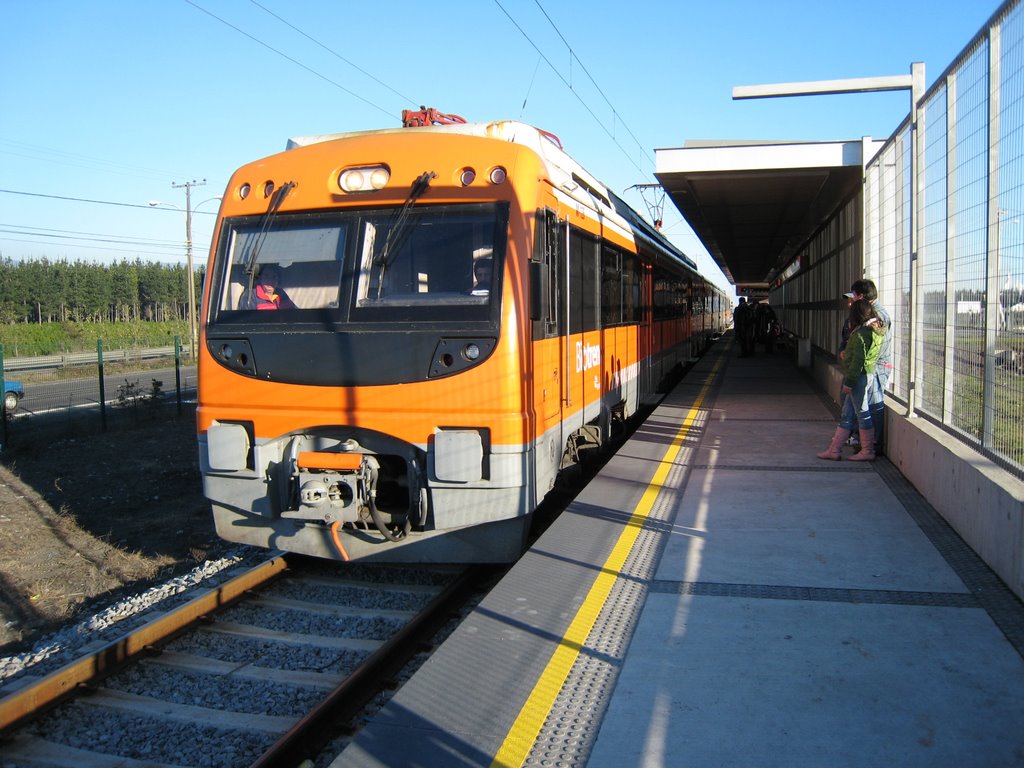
[743, 324]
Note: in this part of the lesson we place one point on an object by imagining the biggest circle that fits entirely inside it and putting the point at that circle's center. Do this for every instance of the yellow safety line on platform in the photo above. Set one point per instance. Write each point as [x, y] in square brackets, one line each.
[523, 734]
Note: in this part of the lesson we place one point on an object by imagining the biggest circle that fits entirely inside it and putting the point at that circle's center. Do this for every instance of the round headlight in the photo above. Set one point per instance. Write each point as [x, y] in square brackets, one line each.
[268, 189]
[243, 191]
[352, 180]
[471, 352]
[467, 177]
[379, 178]
[498, 175]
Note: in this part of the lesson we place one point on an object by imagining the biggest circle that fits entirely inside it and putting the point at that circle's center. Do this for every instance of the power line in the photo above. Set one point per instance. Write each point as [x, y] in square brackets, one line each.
[615, 112]
[97, 202]
[134, 251]
[567, 85]
[99, 237]
[333, 52]
[296, 62]
[64, 158]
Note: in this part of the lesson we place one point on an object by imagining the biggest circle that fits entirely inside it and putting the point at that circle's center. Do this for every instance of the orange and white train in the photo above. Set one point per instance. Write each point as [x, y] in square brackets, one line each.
[457, 311]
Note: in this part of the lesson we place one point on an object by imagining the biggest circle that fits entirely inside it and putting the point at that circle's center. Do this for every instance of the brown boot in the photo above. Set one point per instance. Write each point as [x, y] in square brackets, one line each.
[867, 446]
[832, 452]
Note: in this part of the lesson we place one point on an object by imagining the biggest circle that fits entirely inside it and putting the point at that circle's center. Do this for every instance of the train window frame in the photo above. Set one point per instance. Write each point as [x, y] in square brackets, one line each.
[467, 304]
[549, 254]
[584, 282]
[479, 311]
[611, 286]
[232, 287]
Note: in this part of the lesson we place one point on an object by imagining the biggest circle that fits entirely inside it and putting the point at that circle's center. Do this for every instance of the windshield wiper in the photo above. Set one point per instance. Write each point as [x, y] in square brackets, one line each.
[398, 226]
[268, 218]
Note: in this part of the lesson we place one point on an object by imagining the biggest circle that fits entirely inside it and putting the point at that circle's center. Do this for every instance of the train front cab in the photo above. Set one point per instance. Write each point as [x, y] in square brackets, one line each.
[448, 426]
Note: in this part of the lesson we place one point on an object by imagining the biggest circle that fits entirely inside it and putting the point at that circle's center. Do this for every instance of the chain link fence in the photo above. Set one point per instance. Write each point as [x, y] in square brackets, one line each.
[69, 395]
[958, 301]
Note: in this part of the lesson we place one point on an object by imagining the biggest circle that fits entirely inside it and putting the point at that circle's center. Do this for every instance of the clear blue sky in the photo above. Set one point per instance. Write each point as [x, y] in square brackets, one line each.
[115, 101]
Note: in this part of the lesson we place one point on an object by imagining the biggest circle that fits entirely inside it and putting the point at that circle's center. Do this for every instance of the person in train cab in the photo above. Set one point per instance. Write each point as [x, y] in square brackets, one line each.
[269, 294]
[482, 270]
[859, 363]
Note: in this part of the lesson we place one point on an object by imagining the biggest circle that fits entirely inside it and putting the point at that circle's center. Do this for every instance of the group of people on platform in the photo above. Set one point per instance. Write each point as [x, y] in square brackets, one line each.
[865, 354]
[755, 323]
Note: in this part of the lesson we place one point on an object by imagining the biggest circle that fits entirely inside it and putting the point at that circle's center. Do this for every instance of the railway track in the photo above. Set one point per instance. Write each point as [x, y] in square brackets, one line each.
[258, 671]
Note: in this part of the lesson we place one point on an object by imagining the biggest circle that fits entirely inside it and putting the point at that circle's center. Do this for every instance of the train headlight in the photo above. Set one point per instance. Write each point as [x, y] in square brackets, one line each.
[498, 175]
[379, 178]
[471, 352]
[467, 176]
[364, 179]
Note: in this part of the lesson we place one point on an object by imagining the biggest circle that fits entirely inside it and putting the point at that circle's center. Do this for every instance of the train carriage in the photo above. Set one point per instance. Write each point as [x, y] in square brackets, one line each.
[407, 333]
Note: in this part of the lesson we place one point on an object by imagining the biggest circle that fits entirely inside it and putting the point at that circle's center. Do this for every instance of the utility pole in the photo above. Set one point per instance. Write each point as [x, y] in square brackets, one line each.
[188, 255]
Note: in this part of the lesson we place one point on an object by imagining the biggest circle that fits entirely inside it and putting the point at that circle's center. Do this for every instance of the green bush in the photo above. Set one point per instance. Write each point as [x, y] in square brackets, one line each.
[32, 339]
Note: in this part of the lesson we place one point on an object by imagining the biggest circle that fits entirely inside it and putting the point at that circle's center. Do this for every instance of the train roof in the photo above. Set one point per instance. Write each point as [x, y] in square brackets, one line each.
[567, 174]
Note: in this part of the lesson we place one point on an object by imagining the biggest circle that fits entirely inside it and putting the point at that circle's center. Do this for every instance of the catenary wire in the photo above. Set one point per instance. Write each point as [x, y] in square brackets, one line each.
[294, 61]
[100, 202]
[567, 85]
[615, 112]
[332, 52]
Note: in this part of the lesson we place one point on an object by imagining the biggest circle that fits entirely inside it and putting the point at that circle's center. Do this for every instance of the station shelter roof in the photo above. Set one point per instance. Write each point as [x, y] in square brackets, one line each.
[753, 204]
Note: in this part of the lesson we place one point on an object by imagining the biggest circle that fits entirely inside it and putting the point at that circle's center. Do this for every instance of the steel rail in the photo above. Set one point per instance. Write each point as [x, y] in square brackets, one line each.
[322, 723]
[20, 705]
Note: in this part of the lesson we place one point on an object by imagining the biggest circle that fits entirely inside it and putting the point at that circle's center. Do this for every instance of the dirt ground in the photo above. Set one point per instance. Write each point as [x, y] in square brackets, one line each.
[85, 520]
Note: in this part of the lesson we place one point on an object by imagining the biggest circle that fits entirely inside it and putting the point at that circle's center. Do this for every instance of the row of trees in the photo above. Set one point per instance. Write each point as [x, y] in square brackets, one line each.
[44, 291]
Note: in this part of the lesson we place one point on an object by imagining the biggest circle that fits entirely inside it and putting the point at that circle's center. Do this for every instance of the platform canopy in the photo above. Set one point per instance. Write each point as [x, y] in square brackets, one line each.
[754, 204]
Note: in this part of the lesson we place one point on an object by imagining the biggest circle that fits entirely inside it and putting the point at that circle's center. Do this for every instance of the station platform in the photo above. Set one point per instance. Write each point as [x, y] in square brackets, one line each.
[718, 596]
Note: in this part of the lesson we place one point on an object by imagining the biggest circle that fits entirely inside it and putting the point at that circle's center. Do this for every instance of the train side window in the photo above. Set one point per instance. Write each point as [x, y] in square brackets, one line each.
[584, 299]
[611, 287]
[554, 256]
[630, 289]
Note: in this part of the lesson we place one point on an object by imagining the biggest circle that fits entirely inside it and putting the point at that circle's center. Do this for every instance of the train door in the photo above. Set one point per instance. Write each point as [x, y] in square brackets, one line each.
[646, 311]
[549, 343]
[548, 333]
[612, 339]
[584, 325]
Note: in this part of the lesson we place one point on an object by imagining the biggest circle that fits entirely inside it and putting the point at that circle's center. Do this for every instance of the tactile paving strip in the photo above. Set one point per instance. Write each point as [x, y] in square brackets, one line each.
[569, 733]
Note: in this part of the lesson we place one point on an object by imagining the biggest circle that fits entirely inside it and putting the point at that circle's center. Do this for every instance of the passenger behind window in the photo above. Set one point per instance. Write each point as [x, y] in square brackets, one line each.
[483, 269]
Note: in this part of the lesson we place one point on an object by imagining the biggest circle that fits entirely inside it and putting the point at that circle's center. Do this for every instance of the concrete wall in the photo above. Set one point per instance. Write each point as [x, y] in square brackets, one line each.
[981, 501]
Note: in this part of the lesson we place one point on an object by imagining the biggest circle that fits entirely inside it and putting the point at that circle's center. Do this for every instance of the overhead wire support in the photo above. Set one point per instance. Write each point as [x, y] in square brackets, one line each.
[655, 208]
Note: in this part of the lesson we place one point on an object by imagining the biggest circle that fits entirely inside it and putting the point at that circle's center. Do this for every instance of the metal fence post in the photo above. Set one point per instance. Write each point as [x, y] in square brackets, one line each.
[103, 392]
[177, 370]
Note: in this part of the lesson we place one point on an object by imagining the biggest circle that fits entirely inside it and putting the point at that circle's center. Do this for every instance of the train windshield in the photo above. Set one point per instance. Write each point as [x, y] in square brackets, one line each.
[439, 262]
